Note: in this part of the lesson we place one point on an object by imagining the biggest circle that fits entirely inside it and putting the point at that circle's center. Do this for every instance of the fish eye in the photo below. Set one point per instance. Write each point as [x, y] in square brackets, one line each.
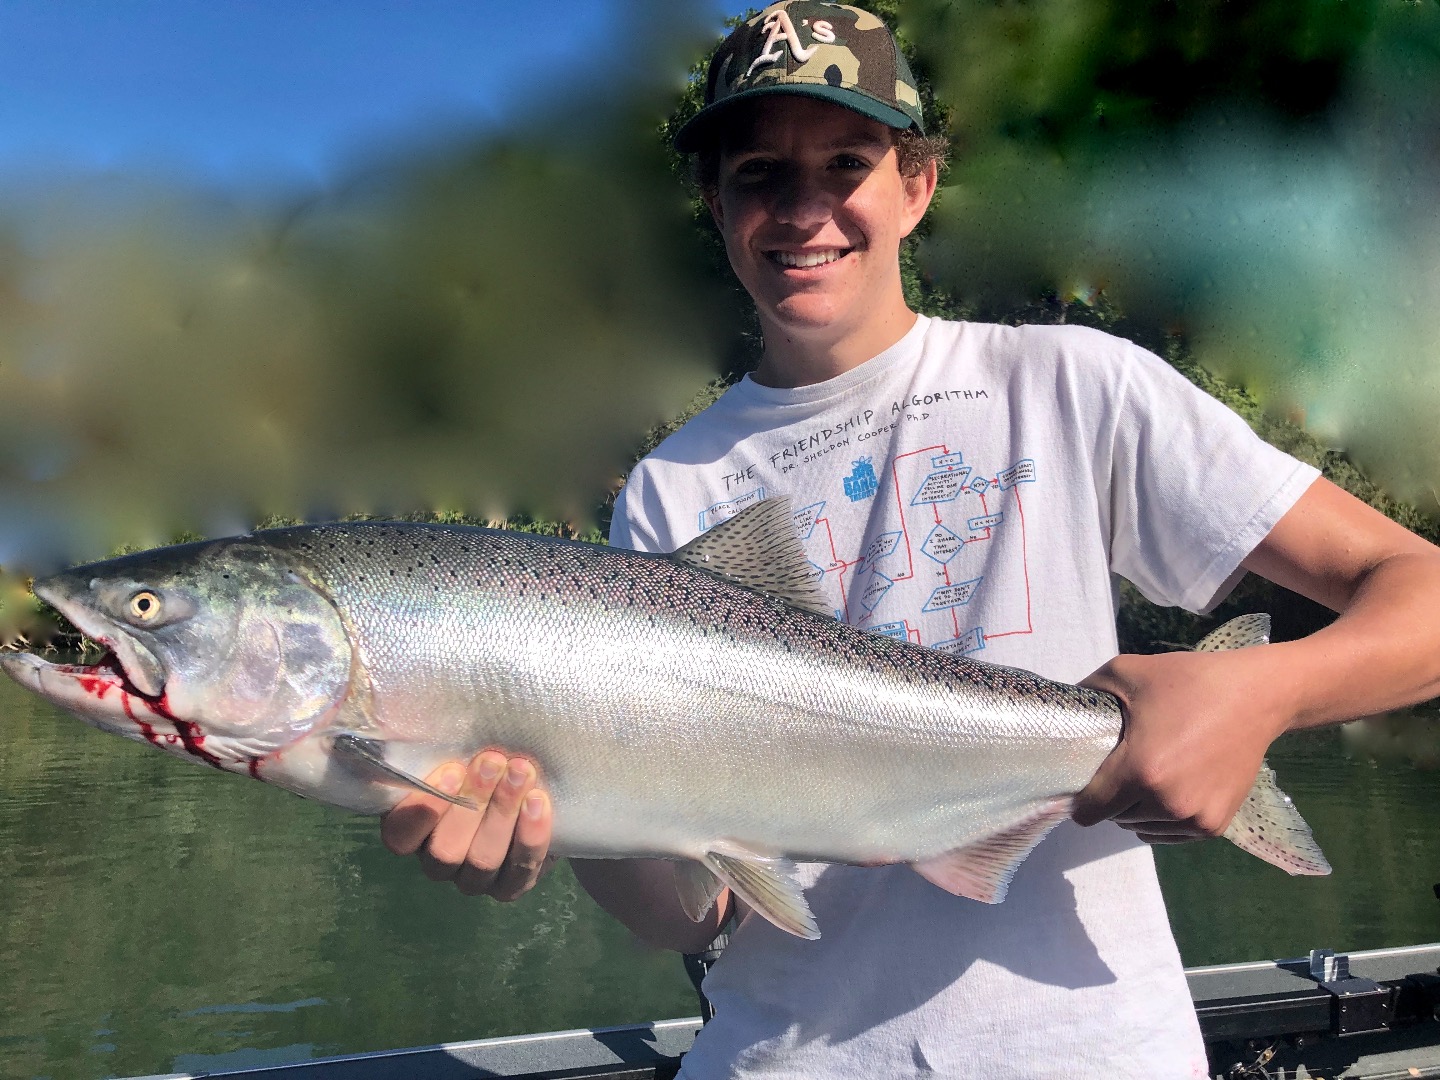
[145, 606]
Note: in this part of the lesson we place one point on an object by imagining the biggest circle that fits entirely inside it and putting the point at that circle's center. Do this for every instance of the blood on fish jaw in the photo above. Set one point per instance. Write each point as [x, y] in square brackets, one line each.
[100, 679]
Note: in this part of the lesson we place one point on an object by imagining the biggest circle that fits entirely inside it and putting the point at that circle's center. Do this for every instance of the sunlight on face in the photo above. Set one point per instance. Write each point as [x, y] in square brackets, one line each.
[813, 208]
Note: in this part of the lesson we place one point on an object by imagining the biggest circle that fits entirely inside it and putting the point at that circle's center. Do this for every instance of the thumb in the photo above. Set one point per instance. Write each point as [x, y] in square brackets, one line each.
[1107, 794]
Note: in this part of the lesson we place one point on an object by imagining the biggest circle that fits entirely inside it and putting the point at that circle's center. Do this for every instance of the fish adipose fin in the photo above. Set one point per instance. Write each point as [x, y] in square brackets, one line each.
[1268, 826]
[768, 885]
[983, 870]
[760, 549]
[368, 756]
[697, 888]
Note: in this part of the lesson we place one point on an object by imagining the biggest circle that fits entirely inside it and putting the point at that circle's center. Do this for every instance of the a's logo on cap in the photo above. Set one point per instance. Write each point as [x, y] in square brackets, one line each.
[779, 27]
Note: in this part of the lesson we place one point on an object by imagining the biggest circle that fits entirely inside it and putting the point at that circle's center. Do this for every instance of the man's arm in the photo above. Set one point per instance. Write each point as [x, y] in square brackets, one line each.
[1198, 724]
[641, 894]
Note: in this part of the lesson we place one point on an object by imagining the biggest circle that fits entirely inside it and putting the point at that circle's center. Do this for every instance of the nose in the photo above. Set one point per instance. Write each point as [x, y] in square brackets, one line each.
[801, 200]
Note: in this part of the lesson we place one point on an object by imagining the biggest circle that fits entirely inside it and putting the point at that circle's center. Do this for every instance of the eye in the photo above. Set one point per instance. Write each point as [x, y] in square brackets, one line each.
[145, 606]
[851, 161]
[754, 168]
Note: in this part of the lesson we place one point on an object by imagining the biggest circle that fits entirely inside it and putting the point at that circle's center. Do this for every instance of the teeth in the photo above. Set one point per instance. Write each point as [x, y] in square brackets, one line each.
[806, 258]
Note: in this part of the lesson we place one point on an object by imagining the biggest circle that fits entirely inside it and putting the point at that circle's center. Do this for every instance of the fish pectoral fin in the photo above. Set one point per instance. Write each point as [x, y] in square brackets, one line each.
[1268, 826]
[983, 870]
[367, 756]
[697, 888]
[768, 884]
[760, 549]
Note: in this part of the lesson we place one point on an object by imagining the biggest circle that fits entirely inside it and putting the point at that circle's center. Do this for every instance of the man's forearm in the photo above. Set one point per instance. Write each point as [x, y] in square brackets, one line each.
[641, 893]
[1382, 653]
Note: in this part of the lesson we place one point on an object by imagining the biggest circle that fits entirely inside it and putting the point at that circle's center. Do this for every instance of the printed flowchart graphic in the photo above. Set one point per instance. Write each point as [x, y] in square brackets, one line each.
[911, 582]
[918, 582]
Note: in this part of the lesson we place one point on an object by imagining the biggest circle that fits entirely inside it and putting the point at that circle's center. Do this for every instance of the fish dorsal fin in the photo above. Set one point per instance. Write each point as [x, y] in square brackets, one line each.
[367, 757]
[697, 888]
[768, 884]
[983, 870]
[1268, 826]
[758, 548]
[1238, 633]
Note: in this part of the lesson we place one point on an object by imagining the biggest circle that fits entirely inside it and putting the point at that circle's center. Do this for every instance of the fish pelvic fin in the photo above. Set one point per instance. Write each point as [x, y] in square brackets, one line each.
[367, 757]
[760, 549]
[983, 870]
[1268, 826]
[697, 888]
[768, 884]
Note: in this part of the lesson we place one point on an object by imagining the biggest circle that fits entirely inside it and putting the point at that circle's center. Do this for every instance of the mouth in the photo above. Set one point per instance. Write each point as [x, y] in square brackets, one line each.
[102, 690]
[807, 260]
[103, 676]
[102, 695]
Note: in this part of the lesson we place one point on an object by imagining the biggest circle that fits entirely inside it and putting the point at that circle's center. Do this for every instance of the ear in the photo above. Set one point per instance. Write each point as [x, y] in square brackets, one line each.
[717, 211]
[919, 190]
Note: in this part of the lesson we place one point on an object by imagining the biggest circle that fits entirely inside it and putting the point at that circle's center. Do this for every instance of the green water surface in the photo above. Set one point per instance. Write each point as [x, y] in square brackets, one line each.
[158, 916]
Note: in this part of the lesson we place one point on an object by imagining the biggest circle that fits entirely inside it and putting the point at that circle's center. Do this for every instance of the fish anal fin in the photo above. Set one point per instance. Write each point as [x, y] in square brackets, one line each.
[768, 884]
[983, 870]
[1268, 826]
[367, 757]
[1238, 633]
[760, 549]
[697, 888]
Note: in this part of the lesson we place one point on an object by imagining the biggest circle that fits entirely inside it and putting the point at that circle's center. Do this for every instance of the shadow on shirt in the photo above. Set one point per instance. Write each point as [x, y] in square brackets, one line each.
[891, 942]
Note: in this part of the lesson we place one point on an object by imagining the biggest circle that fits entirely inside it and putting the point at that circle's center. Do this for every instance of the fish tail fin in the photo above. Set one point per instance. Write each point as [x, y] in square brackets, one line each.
[1268, 826]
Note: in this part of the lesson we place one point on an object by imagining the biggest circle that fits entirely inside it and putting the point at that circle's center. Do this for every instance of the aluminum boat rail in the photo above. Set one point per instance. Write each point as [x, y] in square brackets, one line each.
[1373, 1015]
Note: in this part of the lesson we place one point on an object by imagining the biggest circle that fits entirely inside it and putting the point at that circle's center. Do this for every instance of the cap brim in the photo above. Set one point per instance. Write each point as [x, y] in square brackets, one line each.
[691, 135]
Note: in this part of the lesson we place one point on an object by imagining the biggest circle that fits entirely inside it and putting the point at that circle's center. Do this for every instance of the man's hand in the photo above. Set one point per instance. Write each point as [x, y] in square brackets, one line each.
[497, 850]
[1197, 726]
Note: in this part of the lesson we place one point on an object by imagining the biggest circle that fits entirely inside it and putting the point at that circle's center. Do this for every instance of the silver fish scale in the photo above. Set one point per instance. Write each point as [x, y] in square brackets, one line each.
[663, 701]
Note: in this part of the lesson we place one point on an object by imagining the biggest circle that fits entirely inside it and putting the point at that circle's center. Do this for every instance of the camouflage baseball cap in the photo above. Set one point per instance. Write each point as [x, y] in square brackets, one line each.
[829, 51]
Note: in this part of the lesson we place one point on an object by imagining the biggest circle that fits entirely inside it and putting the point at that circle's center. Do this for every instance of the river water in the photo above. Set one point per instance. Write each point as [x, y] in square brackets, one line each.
[157, 916]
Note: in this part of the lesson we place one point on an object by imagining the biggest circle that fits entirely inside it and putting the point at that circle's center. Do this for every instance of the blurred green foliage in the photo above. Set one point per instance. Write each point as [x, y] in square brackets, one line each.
[1062, 72]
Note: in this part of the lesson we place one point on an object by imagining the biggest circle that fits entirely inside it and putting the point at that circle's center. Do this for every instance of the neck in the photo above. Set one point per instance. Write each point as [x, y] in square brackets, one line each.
[794, 359]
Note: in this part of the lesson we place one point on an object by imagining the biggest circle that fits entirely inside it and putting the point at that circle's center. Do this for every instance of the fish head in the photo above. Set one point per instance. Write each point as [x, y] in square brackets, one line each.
[225, 650]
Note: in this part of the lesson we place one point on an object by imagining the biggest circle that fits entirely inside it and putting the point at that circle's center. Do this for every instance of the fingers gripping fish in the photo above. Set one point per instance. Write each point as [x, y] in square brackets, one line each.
[343, 662]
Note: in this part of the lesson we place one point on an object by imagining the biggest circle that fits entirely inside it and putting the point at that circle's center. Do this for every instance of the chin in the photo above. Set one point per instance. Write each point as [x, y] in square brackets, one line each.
[803, 316]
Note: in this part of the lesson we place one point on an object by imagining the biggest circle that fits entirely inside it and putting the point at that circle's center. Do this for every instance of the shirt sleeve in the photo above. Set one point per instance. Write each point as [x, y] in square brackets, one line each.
[1193, 489]
[629, 526]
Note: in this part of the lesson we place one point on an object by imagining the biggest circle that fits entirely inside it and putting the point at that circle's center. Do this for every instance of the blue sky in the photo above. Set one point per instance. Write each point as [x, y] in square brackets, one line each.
[230, 89]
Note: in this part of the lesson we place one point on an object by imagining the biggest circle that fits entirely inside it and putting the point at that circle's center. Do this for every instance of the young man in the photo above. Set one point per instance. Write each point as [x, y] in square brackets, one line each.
[972, 488]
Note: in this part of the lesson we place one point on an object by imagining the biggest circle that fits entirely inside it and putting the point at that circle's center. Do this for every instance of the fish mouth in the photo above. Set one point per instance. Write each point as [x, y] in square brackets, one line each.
[102, 695]
[107, 673]
[136, 664]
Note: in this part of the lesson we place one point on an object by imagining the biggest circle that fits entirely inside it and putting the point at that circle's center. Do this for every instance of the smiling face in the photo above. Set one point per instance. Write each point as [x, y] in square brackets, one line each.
[813, 207]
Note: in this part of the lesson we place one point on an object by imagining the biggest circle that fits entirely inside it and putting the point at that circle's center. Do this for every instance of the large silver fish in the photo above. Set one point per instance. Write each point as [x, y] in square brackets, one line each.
[701, 705]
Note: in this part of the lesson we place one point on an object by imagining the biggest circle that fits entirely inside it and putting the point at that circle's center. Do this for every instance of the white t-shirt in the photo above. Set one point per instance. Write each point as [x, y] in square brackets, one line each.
[974, 488]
